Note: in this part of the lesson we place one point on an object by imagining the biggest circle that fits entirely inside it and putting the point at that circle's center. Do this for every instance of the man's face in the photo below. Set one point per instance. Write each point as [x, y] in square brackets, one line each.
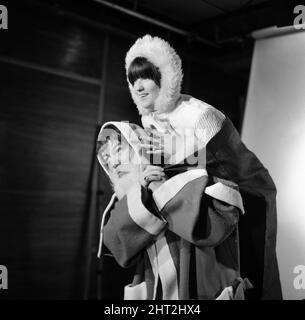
[145, 92]
[122, 166]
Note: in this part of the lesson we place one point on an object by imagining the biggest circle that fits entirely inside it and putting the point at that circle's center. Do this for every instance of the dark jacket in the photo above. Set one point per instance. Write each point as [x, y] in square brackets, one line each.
[229, 158]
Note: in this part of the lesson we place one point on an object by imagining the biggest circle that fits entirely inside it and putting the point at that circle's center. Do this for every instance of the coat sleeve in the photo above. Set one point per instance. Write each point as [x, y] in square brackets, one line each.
[201, 214]
[131, 226]
[208, 124]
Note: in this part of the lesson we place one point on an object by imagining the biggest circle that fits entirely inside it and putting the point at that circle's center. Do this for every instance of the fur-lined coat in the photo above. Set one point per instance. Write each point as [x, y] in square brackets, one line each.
[227, 158]
[182, 238]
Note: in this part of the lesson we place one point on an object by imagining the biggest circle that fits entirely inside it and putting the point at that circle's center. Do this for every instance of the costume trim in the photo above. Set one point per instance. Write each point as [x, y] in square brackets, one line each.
[167, 271]
[106, 211]
[226, 294]
[224, 193]
[164, 268]
[136, 292]
[152, 254]
[171, 187]
[140, 215]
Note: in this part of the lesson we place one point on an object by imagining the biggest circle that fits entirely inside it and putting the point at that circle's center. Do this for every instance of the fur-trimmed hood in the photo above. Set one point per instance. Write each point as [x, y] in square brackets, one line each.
[165, 58]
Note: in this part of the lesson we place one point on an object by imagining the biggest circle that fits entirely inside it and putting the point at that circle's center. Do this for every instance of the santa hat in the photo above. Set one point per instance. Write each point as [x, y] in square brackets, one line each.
[165, 58]
[132, 133]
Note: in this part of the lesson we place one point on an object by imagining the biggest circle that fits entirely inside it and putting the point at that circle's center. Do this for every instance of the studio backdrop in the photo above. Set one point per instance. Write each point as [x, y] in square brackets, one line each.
[274, 128]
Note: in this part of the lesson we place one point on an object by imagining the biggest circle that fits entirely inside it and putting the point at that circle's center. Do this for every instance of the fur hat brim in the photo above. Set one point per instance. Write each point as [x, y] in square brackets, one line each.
[165, 58]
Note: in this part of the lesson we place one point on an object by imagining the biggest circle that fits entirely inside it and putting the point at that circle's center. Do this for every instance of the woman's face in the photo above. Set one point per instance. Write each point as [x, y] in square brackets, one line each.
[145, 92]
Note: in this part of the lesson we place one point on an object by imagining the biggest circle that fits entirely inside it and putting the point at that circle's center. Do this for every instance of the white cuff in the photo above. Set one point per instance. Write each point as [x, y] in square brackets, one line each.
[140, 215]
[169, 189]
[226, 194]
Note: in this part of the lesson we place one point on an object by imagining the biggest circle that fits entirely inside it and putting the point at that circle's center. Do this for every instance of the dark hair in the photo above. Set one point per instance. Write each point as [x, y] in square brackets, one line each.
[140, 67]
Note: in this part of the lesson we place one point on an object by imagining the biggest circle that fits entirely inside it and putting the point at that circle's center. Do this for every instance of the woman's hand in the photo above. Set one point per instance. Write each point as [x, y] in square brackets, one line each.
[159, 143]
[150, 173]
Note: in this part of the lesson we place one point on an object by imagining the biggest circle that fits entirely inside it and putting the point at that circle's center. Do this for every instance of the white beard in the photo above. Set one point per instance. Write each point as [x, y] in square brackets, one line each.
[123, 184]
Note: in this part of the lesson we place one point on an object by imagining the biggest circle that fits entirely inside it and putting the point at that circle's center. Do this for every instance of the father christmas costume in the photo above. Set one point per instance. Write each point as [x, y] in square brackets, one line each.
[182, 238]
[227, 158]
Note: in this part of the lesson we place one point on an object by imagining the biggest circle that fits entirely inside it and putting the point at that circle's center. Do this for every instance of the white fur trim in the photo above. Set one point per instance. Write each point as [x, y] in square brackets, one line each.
[226, 294]
[167, 271]
[227, 194]
[137, 292]
[171, 187]
[140, 215]
[164, 268]
[152, 254]
[113, 198]
[165, 58]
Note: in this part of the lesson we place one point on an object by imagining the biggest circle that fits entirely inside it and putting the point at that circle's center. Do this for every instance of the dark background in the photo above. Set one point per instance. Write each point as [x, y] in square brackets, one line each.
[61, 76]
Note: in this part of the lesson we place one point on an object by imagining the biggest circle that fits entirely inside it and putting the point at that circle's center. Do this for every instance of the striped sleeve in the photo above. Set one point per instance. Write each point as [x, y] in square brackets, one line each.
[209, 123]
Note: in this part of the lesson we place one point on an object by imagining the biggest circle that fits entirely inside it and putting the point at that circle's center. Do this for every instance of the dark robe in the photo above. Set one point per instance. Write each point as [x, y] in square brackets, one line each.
[228, 158]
